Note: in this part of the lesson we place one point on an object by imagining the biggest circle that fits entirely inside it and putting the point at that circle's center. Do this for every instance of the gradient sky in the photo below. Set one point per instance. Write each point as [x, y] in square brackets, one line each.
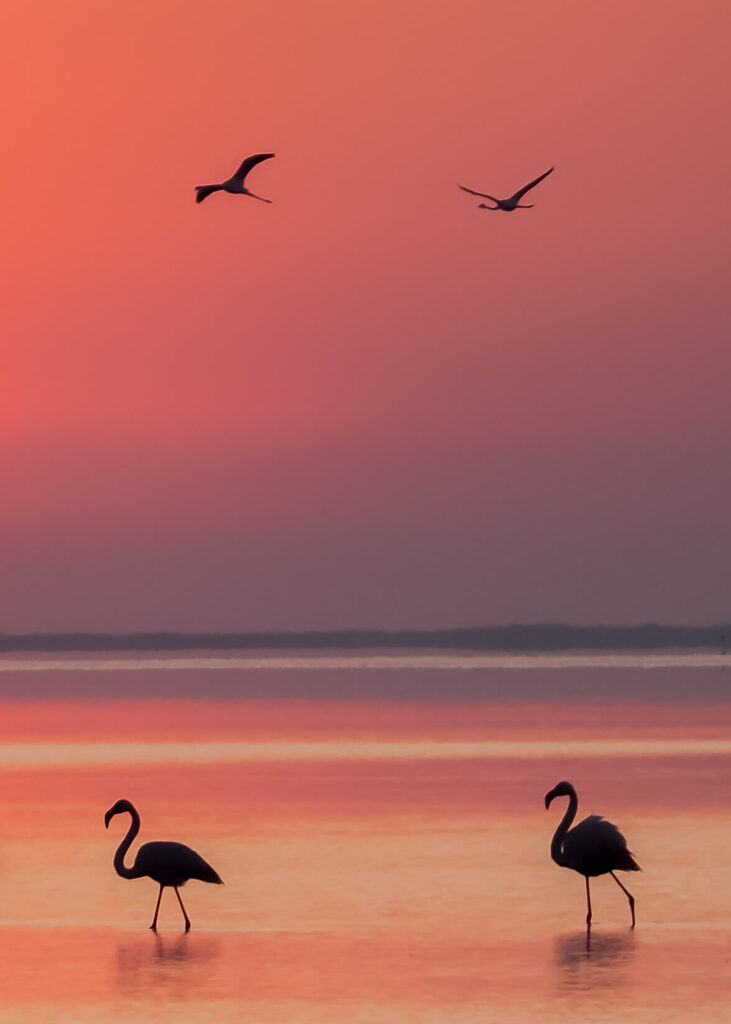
[370, 403]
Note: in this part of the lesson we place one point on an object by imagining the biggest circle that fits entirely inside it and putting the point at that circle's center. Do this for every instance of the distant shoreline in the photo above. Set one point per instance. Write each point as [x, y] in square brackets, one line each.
[540, 637]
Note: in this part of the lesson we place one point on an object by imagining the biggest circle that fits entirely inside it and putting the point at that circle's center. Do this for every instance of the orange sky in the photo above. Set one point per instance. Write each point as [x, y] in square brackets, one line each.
[368, 403]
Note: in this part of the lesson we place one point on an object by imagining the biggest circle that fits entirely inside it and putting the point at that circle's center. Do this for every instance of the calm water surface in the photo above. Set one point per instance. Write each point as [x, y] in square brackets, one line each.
[380, 829]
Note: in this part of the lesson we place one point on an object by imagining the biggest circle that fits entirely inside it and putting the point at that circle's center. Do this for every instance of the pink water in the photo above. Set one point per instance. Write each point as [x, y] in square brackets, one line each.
[385, 855]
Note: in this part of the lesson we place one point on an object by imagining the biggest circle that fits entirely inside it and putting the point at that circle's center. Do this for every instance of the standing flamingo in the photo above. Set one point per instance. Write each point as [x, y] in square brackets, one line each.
[235, 184]
[593, 847]
[168, 864]
[513, 202]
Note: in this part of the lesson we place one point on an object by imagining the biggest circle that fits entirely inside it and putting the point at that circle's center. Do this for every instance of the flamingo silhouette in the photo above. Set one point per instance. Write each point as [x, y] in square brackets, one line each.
[168, 864]
[512, 203]
[593, 847]
[235, 184]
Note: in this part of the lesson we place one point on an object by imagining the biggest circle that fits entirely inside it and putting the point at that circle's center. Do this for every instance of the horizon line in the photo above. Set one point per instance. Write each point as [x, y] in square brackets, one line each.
[512, 637]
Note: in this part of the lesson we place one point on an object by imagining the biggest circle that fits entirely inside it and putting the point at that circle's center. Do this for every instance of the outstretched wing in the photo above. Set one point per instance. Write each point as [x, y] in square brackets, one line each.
[531, 184]
[596, 846]
[251, 161]
[473, 193]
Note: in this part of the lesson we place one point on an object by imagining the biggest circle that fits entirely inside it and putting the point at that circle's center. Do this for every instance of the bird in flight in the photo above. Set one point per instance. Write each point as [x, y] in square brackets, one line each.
[513, 203]
[235, 184]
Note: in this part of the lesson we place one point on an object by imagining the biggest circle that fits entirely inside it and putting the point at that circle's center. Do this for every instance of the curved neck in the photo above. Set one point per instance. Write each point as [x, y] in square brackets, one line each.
[125, 845]
[563, 827]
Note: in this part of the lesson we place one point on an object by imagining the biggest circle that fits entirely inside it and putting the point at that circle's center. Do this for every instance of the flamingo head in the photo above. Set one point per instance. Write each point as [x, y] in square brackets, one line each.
[560, 789]
[119, 808]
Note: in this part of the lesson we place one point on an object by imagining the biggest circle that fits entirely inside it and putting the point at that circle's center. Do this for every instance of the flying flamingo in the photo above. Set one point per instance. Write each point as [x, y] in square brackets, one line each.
[235, 184]
[513, 203]
[168, 864]
[593, 847]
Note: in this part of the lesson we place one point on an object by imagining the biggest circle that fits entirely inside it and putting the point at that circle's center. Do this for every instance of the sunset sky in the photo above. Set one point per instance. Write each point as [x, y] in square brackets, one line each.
[369, 404]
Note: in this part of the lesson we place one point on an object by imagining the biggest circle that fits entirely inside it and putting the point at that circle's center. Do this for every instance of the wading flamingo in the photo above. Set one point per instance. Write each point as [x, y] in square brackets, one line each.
[513, 203]
[235, 184]
[168, 864]
[593, 847]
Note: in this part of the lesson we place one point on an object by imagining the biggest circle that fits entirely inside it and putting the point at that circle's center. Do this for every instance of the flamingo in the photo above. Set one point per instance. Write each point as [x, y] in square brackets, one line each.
[513, 203]
[235, 184]
[593, 847]
[168, 864]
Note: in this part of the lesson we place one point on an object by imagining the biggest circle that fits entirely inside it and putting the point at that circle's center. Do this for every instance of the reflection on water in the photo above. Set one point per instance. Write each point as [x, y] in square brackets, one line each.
[590, 958]
[176, 966]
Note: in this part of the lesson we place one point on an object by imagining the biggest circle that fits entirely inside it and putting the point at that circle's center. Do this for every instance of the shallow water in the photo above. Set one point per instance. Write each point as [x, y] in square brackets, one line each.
[382, 839]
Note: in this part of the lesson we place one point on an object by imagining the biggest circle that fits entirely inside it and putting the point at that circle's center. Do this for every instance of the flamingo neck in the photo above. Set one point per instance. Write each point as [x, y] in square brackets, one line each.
[119, 866]
[563, 827]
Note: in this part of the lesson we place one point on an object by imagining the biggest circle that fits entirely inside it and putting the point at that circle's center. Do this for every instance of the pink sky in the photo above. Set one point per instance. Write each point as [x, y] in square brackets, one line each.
[370, 403]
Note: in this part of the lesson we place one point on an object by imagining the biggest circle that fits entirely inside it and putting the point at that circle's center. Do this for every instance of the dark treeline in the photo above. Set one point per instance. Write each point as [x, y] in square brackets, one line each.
[541, 637]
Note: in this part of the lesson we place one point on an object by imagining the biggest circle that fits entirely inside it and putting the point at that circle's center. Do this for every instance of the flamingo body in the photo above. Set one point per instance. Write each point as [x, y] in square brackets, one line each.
[168, 864]
[512, 202]
[235, 184]
[593, 847]
[172, 864]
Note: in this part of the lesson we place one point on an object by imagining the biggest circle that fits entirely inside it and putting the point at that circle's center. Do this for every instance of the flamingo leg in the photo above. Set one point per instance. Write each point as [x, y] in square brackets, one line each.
[588, 903]
[628, 894]
[153, 926]
[187, 920]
